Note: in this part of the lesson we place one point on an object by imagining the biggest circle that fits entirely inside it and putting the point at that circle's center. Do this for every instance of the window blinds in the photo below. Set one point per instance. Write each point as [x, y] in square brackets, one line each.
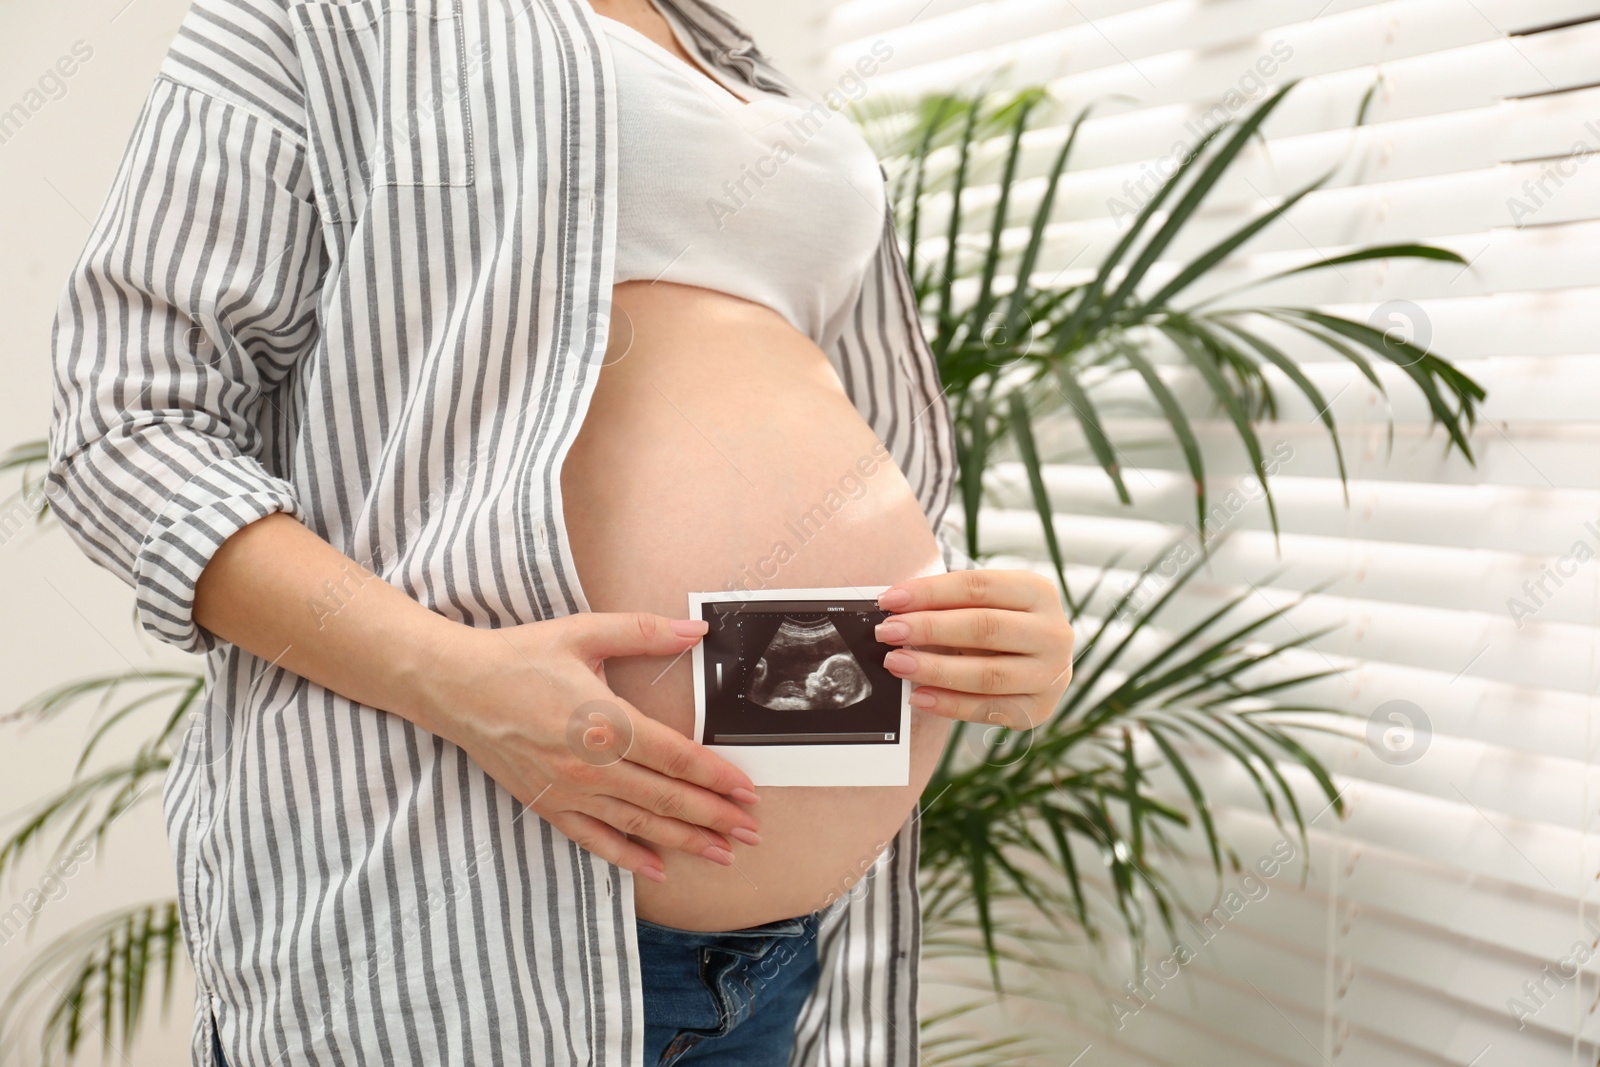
[1450, 918]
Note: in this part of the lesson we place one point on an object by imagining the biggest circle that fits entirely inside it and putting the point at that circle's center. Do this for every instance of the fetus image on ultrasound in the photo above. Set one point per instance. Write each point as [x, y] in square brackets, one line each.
[807, 667]
[794, 671]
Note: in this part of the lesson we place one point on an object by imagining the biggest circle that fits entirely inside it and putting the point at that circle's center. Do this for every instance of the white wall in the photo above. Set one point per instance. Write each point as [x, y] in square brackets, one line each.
[61, 617]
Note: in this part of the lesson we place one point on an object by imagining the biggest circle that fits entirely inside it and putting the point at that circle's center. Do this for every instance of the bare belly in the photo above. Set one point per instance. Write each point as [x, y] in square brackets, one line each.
[720, 451]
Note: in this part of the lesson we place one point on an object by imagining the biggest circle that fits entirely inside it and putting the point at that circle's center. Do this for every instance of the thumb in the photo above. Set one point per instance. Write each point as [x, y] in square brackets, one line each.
[603, 635]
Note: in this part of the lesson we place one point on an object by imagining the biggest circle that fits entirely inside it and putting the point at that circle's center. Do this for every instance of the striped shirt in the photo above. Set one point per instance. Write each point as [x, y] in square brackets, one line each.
[355, 266]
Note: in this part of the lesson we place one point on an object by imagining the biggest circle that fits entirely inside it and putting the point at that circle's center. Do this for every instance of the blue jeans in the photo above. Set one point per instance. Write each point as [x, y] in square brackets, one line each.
[730, 997]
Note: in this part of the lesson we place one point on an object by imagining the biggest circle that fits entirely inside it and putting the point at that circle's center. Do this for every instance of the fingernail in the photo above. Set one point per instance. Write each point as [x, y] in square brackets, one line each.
[690, 627]
[744, 796]
[921, 698]
[718, 855]
[892, 631]
[899, 662]
[749, 837]
[893, 599]
[655, 874]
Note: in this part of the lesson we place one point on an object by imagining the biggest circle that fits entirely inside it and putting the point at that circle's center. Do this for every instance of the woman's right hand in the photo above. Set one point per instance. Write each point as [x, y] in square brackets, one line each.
[530, 705]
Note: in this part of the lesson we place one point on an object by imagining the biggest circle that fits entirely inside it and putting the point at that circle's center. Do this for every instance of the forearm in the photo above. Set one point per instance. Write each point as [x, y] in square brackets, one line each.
[282, 593]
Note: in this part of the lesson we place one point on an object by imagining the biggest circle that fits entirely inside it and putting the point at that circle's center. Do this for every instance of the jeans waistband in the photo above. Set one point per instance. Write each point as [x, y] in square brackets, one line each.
[796, 927]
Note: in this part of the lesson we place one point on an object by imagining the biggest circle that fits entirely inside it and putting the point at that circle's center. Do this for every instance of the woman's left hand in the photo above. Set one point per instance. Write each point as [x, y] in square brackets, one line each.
[987, 646]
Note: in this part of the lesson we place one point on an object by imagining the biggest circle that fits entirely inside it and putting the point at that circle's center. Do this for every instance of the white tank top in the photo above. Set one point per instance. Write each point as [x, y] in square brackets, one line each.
[778, 200]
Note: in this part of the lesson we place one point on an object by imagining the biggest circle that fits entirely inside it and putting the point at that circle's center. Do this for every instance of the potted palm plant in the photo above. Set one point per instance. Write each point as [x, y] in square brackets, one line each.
[1023, 833]
[1030, 825]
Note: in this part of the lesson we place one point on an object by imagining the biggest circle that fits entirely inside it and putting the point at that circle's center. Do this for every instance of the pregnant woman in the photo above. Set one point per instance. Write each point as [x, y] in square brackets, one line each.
[423, 358]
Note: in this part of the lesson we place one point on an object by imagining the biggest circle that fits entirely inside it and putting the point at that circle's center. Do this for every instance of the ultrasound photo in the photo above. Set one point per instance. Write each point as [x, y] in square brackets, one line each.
[791, 687]
[797, 674]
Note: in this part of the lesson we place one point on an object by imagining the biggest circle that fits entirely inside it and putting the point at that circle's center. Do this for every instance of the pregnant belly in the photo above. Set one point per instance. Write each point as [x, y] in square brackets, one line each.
[720, 452]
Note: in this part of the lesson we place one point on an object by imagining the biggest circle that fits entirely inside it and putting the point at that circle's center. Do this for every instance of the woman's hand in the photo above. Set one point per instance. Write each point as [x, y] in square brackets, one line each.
[987, 646]
[530, 705]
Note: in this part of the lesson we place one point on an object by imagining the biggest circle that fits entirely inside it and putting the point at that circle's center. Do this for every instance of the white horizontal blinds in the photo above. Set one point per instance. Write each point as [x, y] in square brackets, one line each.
[1439, 923]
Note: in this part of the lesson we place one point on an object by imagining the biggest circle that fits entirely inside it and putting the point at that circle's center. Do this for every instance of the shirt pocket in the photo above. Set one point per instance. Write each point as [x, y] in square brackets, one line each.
[386, 94]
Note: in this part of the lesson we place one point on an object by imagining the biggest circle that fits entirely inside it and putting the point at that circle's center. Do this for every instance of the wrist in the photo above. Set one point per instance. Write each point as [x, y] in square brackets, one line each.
[423, 652]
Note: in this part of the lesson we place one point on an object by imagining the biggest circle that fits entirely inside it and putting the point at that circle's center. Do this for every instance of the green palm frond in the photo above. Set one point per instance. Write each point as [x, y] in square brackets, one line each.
[1079, 810]
[91, 987]
[1060, 346]
[24, 457]
[945, 1044]
[87, 806]
[28, 503]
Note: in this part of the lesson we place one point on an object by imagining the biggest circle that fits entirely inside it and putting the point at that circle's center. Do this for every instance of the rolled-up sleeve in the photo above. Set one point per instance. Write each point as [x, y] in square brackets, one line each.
[193, 301]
